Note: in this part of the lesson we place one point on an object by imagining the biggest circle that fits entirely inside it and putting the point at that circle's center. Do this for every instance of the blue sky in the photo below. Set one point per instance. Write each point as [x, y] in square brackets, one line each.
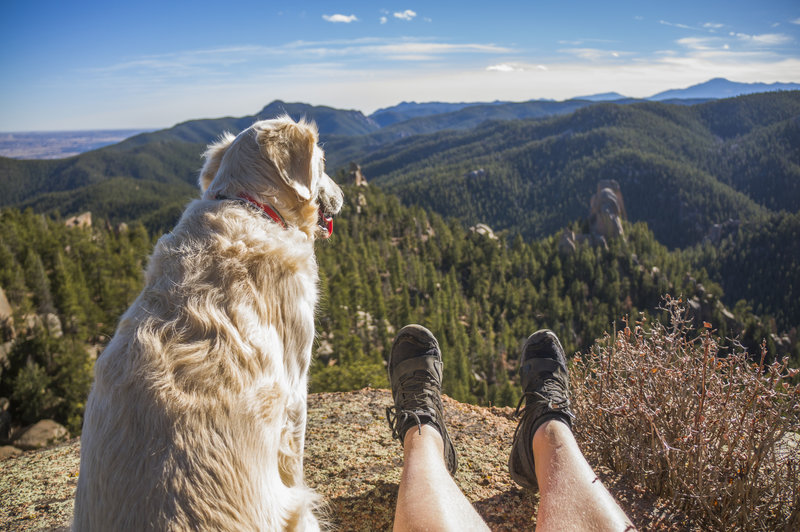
[85, 64]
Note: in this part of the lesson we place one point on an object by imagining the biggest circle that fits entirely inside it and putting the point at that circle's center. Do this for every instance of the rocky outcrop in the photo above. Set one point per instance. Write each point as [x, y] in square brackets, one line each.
[355, 175]
[53, 325]
[81, 220]
[43, 434]
[6, 319]
[5, 307]
[567, 244]
[606, 212]
[485, 230]
[353, 463]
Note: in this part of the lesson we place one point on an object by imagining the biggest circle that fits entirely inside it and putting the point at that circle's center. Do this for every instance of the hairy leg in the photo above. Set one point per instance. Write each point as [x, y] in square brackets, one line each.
[429, 498]
[572, 496]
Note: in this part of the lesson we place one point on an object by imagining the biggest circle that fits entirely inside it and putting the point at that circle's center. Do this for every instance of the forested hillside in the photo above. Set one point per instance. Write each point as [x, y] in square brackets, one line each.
[757, 262]
[682, 169]
[712, 194]
[387, 265]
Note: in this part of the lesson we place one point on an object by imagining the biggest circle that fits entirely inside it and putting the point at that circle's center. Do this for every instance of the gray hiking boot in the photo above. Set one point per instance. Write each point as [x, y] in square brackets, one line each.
[415, 372]
[545, 386]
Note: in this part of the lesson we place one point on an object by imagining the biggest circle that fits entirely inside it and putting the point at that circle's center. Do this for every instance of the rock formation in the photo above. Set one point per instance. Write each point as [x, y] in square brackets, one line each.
[42, 434]
[81, 220]
[355, 175]
[607, 210]
[483, 229]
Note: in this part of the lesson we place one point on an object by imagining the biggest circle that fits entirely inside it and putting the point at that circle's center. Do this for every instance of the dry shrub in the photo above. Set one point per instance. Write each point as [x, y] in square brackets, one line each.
[718, 434]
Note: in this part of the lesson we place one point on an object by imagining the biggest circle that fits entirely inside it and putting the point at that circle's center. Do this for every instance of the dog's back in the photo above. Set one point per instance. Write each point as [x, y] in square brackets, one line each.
[196, 419]
[185, 425]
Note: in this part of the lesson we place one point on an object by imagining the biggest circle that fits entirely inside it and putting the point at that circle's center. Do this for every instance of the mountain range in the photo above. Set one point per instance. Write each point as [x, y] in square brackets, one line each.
[53, 145]
[522, 168]
[475, 220]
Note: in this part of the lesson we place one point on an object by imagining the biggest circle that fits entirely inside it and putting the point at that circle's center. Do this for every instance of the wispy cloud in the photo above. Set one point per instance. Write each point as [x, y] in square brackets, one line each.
[504, 67]
[383, 20]
[405, 15]
[766, 39]
[676, 25]
[713, 26]
[595, 54]
[219, 63]
[700, 43]
[347, 19]
[795, 21]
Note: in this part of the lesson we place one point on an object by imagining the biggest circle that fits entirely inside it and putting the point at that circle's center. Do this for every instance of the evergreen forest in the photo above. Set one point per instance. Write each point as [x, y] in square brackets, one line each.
[711, 192]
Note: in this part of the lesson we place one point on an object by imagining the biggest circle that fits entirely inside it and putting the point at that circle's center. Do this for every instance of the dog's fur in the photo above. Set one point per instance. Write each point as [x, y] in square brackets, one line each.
[197, 416]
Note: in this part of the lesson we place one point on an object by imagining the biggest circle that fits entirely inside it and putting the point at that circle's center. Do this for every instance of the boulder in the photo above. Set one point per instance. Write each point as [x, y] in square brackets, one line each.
[5, 349]
[8, 451]
[485, 230]
[361, 201]
[31, 322]
[5, 307]
[566, 244]
[81, 220]
[43, 434]
[53, 325]
[6, 319]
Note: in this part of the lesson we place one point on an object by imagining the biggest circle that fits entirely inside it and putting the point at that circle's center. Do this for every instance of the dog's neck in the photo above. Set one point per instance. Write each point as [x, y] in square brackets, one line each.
[266, 208]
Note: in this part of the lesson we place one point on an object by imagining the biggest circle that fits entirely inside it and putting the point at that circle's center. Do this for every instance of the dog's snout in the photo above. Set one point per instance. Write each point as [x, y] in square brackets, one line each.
[331, 196]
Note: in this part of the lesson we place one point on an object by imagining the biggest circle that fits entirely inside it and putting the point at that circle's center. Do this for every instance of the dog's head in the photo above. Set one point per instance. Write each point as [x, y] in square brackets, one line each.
[276, 162]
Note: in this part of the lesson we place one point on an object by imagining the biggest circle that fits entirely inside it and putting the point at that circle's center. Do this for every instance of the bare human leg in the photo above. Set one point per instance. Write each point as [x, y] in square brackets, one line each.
[428, 498]
[545, 455]
[572, 496]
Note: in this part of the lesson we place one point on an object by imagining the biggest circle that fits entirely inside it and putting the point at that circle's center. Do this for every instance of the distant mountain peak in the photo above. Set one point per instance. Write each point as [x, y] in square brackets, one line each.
[603, 97]
[722, 88]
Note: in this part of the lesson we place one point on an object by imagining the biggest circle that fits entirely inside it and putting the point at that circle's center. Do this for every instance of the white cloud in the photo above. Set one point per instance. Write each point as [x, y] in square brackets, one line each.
[405, 15]
[594, 54]
[699, 43]
[347, 19]
[712, 26]
[504, 67]
[676, 25]
[795, 21]
[765, 39]
[384, 20]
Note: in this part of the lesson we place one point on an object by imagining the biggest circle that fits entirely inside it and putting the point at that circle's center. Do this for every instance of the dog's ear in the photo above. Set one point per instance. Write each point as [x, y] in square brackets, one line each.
[290, 148]
[213, 156]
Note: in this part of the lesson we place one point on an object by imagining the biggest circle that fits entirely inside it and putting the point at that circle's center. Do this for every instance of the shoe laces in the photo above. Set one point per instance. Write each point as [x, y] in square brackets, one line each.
[418, 396]
[552, 393]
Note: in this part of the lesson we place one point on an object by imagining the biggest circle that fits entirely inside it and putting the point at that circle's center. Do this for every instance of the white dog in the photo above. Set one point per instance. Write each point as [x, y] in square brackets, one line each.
[196, 419]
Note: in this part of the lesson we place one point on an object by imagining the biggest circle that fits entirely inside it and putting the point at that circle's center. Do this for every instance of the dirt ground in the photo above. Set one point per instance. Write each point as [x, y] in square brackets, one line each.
[352, 461]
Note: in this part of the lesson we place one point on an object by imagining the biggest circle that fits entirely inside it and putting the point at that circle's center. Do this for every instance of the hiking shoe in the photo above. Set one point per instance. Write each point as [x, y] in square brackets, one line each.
[545, 386]
[415, 372]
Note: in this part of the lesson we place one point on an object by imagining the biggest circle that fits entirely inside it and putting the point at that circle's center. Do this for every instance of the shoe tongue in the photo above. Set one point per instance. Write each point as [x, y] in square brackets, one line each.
[545, 367]
[424, 363]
